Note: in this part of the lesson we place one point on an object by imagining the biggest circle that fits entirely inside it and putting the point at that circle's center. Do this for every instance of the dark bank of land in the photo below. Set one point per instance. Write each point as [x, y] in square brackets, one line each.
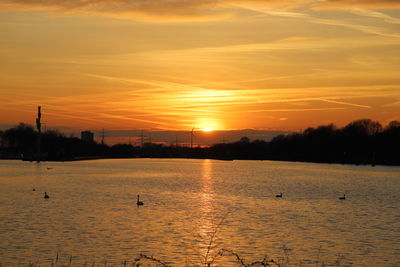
[360, 142]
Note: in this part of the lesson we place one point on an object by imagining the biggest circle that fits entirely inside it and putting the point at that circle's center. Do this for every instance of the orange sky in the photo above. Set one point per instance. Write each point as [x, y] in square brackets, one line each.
[179, 64]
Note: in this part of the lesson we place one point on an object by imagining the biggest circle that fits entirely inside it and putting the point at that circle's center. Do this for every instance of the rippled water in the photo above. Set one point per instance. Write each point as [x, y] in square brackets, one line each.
[92, 213]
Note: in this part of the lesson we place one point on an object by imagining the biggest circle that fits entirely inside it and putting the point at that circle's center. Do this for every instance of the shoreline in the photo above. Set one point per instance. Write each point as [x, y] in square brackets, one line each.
[84, 158]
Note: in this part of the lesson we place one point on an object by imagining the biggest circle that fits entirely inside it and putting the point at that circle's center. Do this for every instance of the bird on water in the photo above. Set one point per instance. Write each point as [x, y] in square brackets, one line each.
[343, 197]
[138, 202]
[46, 196]
[280, 195]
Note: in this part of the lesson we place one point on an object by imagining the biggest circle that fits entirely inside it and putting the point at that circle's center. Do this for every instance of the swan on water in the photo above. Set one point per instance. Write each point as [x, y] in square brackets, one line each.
[138, 202]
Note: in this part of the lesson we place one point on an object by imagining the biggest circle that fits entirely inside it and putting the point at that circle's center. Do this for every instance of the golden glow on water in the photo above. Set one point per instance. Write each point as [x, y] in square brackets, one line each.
[207, 221]
[92, 213]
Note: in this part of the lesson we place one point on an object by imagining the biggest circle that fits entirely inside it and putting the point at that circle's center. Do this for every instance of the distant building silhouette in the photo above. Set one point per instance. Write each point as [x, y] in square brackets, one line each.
[87, 136]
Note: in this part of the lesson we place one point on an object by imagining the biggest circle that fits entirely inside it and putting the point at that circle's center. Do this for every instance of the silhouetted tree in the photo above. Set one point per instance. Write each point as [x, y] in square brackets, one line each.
[20, 139]
[1, 139]
[244, 140]
[122, 150]
[362, 141]
[363, 127]
[393, 125]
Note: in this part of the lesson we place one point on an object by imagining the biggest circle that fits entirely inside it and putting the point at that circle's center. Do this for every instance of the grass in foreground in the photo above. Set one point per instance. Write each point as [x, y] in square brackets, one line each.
[210, 259]
[150, 261]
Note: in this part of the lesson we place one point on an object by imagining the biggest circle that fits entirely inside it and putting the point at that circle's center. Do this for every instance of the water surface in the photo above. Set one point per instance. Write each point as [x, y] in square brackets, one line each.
[92, 213]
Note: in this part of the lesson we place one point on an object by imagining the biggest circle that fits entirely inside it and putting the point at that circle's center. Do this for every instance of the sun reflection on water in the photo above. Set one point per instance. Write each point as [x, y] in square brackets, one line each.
[207, 225]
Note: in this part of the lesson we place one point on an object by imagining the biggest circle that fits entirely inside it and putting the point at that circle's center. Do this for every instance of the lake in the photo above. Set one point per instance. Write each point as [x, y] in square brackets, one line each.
[92, 213]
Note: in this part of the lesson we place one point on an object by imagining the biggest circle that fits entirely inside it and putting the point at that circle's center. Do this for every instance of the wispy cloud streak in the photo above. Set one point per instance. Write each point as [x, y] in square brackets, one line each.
[345, 103]
[374, 14]
[184, 9]
[334, 22]
[372, 4]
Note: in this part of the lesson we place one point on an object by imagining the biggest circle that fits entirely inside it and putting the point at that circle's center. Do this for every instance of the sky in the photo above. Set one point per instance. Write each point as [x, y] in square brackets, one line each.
[175, 65]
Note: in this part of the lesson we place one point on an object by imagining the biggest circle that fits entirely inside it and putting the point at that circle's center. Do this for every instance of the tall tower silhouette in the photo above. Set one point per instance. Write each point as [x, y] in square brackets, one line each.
[39, 128]
[191, 138]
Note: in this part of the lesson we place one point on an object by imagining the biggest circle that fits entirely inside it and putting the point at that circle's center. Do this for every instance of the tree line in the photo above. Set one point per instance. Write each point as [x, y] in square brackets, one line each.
[360, 142]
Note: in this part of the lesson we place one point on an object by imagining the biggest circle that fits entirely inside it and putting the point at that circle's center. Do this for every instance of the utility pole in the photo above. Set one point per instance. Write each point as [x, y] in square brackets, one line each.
[39, 127]
[102, 137]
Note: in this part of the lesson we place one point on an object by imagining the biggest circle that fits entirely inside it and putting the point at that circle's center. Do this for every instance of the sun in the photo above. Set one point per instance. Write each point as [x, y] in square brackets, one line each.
[208, 124]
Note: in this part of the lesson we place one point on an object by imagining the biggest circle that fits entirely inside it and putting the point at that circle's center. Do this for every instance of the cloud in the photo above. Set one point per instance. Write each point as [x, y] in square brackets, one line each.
[136, 9]
[183, 9]
[153, 10]
[370, 4]
[375, 14]
[345, 103]
[297, 38]
[336, 22]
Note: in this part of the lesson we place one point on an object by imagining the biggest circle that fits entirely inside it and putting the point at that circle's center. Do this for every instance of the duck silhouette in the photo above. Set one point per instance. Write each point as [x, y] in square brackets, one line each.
[138, 202]
[46, 196]
[279, 195]
[343, 197]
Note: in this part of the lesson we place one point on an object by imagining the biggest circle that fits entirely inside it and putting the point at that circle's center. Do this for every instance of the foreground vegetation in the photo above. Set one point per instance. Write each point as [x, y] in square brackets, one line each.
[359, 142]
[212, 261]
